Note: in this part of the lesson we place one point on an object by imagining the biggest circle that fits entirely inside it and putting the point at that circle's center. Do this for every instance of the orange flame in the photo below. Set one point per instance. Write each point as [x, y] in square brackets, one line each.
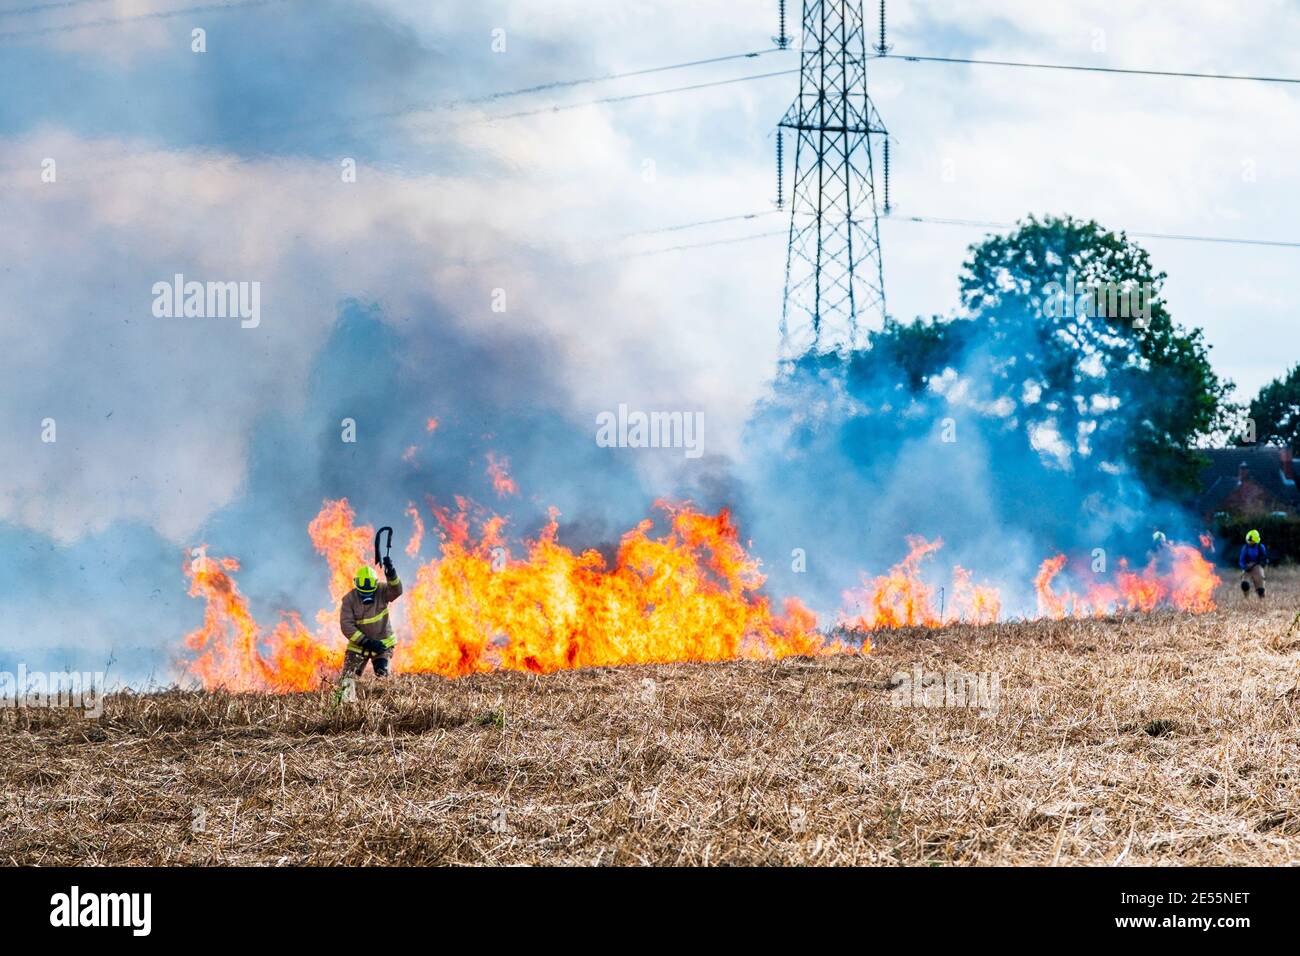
[688, 595]
[692, 593]
[902, 599]
[227, 643]
[417, 530]
[1194, 581]
[1180, 578]
[1049, 605]
[344, 547]
[230, 642]
[974, 603]
[498, 471]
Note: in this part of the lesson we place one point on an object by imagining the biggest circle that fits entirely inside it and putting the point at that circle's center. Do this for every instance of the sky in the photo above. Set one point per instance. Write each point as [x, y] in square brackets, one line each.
[516, 275]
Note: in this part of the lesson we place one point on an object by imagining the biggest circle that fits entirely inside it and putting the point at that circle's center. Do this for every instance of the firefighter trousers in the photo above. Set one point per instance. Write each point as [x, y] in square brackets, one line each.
[354, 664]
[1255, 576]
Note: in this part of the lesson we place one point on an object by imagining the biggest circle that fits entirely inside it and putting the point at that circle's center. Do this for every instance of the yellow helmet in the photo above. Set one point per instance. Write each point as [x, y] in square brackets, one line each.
[1252, 537]
[365, 579]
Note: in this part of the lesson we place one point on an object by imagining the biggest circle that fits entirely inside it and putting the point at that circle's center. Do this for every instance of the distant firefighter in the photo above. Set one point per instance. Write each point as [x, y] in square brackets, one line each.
[1161, 553]
[1254, 557]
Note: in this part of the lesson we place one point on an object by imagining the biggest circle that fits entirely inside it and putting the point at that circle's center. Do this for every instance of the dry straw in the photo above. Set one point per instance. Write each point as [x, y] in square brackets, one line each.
[1164, 739]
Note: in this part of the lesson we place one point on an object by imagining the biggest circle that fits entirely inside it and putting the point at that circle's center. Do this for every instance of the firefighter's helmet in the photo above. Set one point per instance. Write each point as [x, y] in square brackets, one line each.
[365, 580]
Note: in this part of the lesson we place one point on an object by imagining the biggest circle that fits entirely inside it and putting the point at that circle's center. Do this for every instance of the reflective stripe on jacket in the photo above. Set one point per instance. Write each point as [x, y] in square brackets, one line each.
[358, 620]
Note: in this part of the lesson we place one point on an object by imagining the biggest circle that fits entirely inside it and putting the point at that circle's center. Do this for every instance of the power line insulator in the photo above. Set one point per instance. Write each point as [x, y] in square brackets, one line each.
[782, 39]
[888, 208]
[780, 167]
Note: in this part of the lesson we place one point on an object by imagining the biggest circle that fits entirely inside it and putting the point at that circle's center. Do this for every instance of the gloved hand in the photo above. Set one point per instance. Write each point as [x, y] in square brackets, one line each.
[373, 645]
[390, 572]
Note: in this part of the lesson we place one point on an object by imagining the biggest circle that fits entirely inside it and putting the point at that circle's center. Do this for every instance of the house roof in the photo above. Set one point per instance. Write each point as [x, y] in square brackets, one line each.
[1264, 463]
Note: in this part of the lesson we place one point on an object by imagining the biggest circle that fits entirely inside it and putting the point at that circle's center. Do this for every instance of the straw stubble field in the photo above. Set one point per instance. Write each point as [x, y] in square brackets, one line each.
[1162, 739]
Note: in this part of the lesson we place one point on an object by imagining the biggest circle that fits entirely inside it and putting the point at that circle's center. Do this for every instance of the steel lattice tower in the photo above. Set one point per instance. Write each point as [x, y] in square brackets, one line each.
[834, 278]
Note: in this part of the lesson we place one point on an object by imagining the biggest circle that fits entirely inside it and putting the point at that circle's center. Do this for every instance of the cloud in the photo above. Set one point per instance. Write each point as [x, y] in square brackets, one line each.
[153, 414]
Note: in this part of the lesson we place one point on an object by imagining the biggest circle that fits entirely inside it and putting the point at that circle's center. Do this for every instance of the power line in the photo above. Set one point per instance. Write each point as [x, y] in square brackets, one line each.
[753, 54]
[693, 225]
[1093, 69]
[528, 90]
[1182, 237]
[562, 84]
[139, 18]
[558, 108]
[929, 220]
[42, 7]
[605, 77]
[702, 245]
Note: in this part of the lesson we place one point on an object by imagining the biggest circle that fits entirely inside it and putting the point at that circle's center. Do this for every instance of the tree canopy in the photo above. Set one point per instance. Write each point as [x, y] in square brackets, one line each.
[1119, 376]
[1276, 411]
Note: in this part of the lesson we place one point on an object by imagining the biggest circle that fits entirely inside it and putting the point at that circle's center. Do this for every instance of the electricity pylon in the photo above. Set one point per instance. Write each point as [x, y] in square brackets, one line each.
[834, 277]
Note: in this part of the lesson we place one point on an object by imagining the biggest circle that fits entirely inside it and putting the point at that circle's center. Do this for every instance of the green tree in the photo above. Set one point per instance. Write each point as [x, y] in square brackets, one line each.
[917, 350]
[1086, 346]
[1276, 410]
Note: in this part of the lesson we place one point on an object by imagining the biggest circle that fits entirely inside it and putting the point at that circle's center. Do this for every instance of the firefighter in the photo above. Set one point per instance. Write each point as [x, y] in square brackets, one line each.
[1254, 557]
[1161, 555]
[364, 621]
